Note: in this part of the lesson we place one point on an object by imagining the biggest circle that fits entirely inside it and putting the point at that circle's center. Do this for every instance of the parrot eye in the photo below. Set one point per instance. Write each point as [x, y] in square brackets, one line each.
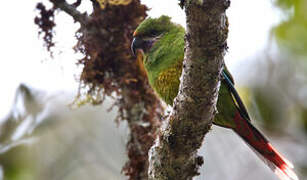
[154, 33]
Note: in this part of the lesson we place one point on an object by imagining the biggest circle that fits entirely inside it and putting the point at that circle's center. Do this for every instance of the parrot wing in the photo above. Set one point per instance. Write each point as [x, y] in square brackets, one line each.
[230, 84]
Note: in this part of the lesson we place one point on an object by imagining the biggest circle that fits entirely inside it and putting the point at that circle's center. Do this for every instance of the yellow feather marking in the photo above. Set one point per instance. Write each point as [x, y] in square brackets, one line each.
[140, 64]
[167, 83]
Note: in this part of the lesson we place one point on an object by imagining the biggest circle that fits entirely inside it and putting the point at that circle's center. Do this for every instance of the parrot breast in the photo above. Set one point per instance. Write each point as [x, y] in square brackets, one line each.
[166, 84]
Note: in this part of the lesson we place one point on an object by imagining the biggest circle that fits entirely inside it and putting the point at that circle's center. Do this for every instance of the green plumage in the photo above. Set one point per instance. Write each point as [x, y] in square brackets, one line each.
[162, 43]
[163, 63]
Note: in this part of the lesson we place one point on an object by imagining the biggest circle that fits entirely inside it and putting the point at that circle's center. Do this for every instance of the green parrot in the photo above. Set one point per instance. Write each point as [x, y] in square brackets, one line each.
[161, 43]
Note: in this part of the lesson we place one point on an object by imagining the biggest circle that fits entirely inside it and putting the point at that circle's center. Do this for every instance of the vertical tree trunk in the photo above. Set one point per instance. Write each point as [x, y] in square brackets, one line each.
[174, 154]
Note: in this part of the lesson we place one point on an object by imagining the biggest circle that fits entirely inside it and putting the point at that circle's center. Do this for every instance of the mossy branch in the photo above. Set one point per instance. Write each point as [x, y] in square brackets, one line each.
[104, 39]
[174, 155]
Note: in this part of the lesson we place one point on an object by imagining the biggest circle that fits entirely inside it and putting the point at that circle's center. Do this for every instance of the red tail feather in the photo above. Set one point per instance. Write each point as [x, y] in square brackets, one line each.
[281, 166]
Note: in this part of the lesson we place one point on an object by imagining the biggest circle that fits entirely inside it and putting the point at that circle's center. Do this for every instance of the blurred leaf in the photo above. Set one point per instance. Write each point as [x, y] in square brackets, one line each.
[23, 118]
[286, 3]
[16, 164]
[292, 33]
[69, 144]
[270, 108]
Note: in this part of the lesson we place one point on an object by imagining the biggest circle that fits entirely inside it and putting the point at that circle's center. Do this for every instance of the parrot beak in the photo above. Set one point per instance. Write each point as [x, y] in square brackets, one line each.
[133, 47]
[136, 44]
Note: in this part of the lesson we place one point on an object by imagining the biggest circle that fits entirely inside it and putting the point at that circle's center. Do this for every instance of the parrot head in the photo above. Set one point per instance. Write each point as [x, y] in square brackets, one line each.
[160, 44]
[150, 31]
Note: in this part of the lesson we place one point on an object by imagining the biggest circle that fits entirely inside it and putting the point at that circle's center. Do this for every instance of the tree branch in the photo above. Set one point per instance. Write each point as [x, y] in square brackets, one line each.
[71, 10]
[174, 155]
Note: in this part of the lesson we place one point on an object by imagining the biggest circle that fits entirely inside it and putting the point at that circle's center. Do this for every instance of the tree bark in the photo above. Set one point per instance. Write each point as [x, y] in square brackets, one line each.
[174, 154]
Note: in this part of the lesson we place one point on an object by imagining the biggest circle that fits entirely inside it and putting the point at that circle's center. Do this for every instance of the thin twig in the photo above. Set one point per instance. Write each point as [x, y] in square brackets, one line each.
[71, 10]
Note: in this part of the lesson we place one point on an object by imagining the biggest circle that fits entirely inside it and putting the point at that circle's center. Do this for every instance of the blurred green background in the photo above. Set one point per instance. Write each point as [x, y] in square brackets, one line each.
[42, 137]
